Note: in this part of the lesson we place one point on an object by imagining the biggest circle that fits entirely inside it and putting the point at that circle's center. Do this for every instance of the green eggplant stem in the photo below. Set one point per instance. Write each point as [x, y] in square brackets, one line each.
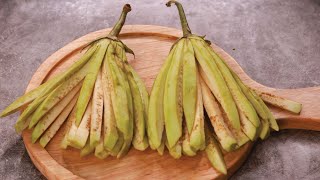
[117, 28]
[183, 19]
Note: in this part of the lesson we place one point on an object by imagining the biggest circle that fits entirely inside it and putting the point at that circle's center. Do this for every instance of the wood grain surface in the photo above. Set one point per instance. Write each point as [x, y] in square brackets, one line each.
[151, 45]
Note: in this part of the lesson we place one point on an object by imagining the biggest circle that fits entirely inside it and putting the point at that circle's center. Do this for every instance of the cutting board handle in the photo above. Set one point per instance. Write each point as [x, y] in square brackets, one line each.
[309, 118]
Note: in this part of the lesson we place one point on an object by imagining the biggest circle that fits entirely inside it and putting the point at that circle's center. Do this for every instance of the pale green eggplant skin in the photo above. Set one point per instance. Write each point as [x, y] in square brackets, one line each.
[186, 148]
[110, 128]
[28, 97]
[197, 136]
[53, 86]
[59, 93]
[89, 80]
[239, 97]
[51, 116]
[87, 149]
[175, 151]
[30, 109]
[255, 103]
[139, 139]
[22, 125]
[118, 57]
[281, 102]
[140, 83]
[270, 118]
[226, 138]
[248, 128]
[124, 80]
[151, 145]
[144, 143]
[119, 99]
[161, 148]
[265, 130]
[261, 109]
[117, 147]
[143, 93]
[140, 100]
[73, 69]
[121, 93]
[189, 85]
[125, 148]
[155, 121]
[214, 153]
[37, 95]
[172, 103]
[55, 126]
[216, 83]
[100, 152]
[272, 121]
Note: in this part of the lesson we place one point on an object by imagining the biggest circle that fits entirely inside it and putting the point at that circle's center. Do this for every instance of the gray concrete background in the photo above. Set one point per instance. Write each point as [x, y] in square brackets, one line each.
[277, 42]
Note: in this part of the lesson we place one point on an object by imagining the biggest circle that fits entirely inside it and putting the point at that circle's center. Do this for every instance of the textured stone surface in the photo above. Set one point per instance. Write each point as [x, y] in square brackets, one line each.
[277, 42]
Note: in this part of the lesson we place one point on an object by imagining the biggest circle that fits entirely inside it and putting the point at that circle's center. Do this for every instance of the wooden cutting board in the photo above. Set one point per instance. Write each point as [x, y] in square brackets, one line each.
[151, 45]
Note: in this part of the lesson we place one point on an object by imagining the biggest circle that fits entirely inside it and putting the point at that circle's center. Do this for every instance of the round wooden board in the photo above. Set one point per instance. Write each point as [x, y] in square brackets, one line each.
[151, 45]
